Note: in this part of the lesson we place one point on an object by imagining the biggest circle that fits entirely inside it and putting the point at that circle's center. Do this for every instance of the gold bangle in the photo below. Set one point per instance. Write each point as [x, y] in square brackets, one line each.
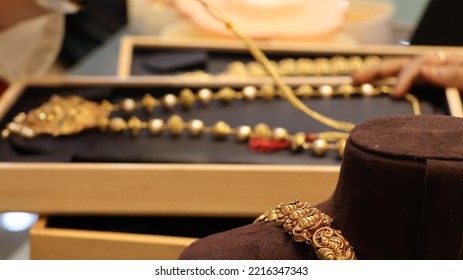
[306, 223]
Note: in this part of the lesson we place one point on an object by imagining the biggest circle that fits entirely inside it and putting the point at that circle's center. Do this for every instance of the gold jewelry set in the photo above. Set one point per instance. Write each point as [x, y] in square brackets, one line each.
[306, 223]
[72, 114]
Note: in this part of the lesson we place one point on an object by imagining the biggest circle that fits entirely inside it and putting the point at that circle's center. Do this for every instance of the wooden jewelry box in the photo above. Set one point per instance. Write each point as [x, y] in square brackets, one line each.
[132, 238]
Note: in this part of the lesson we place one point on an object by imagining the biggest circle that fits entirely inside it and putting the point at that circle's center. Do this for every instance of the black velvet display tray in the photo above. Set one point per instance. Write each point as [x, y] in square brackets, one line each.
[174, 61]
[95, 146]
[145, 56]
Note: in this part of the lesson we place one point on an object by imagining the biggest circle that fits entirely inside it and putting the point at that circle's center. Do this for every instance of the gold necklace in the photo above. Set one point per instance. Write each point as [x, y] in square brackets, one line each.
[306, 223]
[337, 65]
[73, 114]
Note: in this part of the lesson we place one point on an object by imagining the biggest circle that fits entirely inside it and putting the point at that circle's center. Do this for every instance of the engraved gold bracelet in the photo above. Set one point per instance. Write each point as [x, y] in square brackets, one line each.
[306, 223]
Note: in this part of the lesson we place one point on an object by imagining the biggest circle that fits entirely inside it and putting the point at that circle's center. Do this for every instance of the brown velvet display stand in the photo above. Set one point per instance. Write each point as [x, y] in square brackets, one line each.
[399, 196]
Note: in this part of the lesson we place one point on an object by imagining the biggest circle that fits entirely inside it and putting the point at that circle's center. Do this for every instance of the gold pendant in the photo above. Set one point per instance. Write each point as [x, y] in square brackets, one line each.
[61, 116]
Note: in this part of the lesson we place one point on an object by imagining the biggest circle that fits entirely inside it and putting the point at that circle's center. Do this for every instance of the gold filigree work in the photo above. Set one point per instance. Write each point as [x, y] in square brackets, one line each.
[60, 116]
[308, 224]
[329, 244]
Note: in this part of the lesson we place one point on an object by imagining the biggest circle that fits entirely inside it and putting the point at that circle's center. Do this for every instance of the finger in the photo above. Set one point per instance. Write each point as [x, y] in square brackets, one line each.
[444, 76]
[443, 58]
[384, 69]
[408, 75]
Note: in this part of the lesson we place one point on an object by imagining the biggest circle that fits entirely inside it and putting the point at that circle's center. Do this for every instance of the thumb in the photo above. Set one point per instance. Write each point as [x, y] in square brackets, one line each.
[444, 76]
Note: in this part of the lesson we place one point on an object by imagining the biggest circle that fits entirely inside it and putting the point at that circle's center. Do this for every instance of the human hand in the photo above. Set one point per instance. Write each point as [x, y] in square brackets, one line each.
[439, 69]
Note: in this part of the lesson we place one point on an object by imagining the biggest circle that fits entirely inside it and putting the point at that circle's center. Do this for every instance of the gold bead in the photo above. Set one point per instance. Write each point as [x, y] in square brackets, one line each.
[372, 60]
[5, 133]
[128, 105]
[287, 67]
[356, 63]
[135, 124]
[205, 95]
[339, 65]
[156, 126]
[346, 90]
[169, 101]
[305, 91]
[226, 94]
[323, 66]
[267, 92]
[255, 69]
[195, 127]
[176, 125]
[237, 68]
[149, 102]
[262, 131]
[221, 129]
[305, 66]
[341, 147]
[117, 124]
[243, 133]
[326, 91]
[250, 93]
[187, 98]
[298, 141]
[319, 147]
[367, 90]
[280, 134]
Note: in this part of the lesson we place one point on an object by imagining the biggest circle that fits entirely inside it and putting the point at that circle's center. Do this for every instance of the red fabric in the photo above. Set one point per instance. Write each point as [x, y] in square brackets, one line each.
[266, 146]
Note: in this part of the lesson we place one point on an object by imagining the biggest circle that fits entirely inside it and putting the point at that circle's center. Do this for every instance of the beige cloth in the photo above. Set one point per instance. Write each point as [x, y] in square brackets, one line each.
[29, 48]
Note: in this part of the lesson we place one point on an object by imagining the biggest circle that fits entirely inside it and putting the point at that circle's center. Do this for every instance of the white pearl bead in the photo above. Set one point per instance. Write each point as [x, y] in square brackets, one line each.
[128, 105]
[195, 127]
[243, 133]
[319, 147]
[367, 89]
[250, 93]
[156, 126]
[205, 95]
[169, 101]
[280, 134]
[326, 91]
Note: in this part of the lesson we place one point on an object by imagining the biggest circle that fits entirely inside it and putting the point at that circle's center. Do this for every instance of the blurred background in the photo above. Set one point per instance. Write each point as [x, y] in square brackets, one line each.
[91, 42]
